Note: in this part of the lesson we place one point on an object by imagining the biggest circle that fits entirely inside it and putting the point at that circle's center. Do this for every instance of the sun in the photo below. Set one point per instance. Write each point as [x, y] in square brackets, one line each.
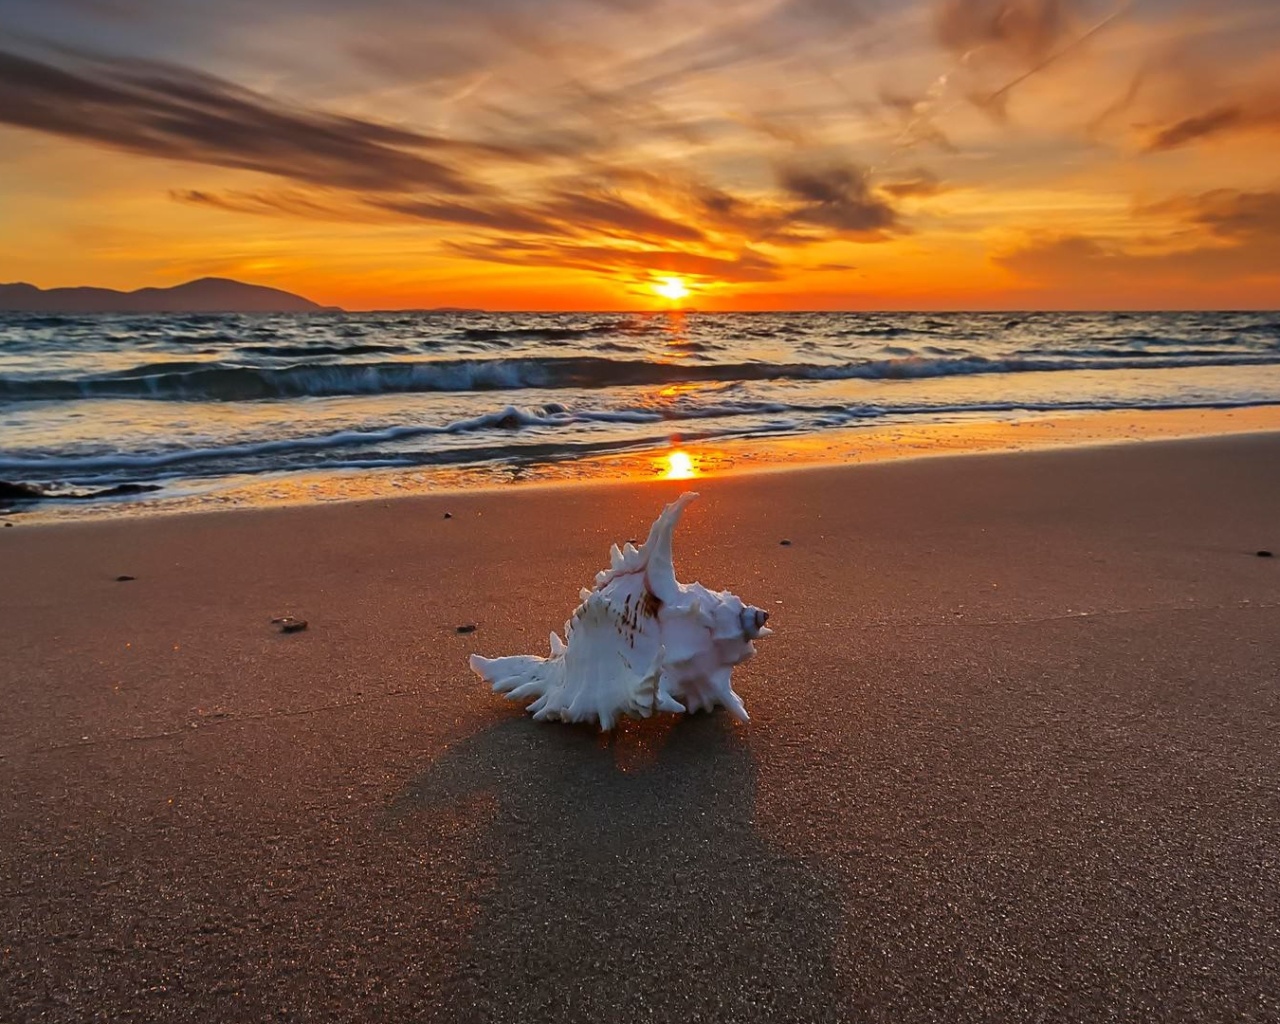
[671, 288]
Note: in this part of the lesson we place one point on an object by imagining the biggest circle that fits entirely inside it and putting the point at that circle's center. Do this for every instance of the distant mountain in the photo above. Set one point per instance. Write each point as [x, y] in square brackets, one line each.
[207, 295]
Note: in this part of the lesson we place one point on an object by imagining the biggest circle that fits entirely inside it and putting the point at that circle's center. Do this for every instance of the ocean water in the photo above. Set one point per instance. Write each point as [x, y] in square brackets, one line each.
[189, 403]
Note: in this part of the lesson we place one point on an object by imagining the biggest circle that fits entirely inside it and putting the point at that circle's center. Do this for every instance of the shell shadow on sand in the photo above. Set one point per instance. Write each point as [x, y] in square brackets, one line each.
[628, 881]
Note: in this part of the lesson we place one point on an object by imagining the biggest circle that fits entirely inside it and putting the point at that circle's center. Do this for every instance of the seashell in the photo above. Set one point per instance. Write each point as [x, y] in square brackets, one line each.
[639, 643]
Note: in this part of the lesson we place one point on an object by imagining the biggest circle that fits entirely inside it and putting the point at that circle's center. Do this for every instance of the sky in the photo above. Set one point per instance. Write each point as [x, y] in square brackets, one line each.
[614, 154]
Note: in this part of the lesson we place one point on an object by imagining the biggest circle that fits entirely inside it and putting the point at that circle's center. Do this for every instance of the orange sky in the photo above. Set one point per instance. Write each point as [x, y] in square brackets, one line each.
[565, 154]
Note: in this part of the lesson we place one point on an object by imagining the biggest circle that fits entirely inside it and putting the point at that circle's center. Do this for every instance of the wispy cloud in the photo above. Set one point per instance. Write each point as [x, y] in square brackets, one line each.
[1227, 213]
[613, 214]
[1002, 43]
[920, 185]
[164, 111]
[743, 266]
[1013, 32]
[1257, 113]
[1215, 236]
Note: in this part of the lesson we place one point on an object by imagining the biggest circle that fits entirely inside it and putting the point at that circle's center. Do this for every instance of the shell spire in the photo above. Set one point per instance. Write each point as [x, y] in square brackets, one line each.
[639, 642]
[660, 570]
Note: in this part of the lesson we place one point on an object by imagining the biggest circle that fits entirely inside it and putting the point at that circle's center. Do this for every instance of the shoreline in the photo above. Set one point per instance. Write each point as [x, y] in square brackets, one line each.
[844, 446]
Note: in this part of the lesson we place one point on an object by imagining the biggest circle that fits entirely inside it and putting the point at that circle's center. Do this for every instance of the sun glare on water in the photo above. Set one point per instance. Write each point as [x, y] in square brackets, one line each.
[671, 288]
[679, 466]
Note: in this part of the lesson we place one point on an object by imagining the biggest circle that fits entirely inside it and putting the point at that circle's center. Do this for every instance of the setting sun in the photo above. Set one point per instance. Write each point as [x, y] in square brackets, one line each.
[671, 288]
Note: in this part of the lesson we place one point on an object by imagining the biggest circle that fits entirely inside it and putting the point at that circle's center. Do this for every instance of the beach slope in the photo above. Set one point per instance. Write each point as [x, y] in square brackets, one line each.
[1013, 756]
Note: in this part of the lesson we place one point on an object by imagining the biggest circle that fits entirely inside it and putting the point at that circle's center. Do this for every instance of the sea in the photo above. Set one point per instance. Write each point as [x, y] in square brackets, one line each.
[122, 410]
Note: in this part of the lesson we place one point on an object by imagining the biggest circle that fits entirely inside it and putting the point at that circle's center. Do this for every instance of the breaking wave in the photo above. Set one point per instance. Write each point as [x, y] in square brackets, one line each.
[230, 382]
[355, 448]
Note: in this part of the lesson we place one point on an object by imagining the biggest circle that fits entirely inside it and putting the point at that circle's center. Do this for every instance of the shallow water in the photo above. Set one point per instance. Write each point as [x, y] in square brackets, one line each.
[189, 403]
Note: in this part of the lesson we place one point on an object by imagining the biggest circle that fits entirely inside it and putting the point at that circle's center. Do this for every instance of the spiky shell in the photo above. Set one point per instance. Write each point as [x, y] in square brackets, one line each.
[639, 642]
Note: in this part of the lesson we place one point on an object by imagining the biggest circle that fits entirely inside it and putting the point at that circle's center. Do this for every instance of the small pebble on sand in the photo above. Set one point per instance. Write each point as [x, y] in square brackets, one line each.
[1264, 554]
[125, 579]
[469, 627]
[288, 624]
[785, 543]
[448, 515]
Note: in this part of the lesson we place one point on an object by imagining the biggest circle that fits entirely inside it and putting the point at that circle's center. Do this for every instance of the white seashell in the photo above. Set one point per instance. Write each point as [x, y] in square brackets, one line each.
[640, 642]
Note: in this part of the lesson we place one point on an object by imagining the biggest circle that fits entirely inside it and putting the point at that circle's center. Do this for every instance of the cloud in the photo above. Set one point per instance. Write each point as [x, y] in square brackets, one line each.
[716, 211]
[502, 217]
[1019, 32]
[1053, 257]
[920, 185]
[1190, 128]
[1259, 113]
[993, 39]
[1227, 214]
[916, 118]
[281, 202]
[561, 214]
[1221, 235]
[838, 197]
[1204, 76]
[729, 38]
[744, 266]
[622, 205]
[612, 214]
[164, 111]
[1189, 76]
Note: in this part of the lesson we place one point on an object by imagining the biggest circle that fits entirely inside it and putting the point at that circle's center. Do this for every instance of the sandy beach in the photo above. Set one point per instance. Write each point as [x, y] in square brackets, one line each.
[1014, 755]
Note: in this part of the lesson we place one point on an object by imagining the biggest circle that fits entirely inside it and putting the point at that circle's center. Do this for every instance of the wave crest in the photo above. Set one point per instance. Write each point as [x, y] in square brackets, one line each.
[224, 382]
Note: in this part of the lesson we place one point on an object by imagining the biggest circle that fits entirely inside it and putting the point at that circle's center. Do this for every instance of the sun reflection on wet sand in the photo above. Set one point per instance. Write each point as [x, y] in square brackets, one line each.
[679, 466]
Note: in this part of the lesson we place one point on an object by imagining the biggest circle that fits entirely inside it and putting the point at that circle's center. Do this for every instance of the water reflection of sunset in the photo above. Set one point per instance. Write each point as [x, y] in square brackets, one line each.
[682, 388]
[675, 326]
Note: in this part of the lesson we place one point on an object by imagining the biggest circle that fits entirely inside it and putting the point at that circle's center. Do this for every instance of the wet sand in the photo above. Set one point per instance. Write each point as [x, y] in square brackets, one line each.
[1014, 755]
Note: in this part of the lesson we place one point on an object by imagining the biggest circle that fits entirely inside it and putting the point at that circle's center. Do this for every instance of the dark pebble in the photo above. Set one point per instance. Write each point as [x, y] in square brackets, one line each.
[470, 627]
[1264, 554]
[785, 543]
[448, 515]
[8, 524]
[125, 579]
[288, 624]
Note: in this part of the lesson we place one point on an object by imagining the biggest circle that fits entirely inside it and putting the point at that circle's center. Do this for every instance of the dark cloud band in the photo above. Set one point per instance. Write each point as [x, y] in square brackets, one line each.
[163, 111]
